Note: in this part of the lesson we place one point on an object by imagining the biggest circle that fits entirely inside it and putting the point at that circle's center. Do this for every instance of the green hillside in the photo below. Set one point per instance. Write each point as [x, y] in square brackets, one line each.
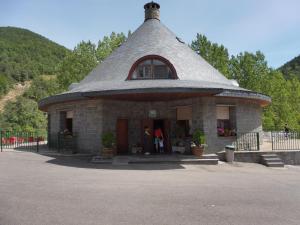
[291, 68]
[25, 55]
[50, 68]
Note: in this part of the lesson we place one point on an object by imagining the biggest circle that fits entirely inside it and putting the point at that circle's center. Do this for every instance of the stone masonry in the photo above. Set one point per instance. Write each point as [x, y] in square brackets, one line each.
[93, 117]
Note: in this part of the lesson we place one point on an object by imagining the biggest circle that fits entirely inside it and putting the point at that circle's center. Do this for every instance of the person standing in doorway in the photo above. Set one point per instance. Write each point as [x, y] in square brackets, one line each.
[147, 140]
[158, 138]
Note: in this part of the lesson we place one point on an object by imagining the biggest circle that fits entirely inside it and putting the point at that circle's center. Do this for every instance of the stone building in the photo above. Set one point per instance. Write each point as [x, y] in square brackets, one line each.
[154, 79]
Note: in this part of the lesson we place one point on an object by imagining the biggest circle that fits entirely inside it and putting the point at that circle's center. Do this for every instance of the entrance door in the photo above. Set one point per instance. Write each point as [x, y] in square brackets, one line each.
[147, 123]
[122, 136]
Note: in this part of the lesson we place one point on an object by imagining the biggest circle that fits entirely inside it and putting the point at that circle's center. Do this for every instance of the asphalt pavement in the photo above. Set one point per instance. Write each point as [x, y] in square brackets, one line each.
[46, 190]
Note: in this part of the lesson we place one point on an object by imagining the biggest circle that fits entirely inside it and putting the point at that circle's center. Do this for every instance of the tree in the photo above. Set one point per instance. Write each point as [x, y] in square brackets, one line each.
[252, 72]
[23, 115]
[42, 87]
[77, 64]
[108, 44]
[85, 57]
[216, 55]
[4, 84]
[249, 70]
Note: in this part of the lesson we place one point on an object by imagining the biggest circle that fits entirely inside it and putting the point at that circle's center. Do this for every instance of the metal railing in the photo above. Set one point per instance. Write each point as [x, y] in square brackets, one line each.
[285, 140]
[67, 142]
[247, 141]
[21, 140]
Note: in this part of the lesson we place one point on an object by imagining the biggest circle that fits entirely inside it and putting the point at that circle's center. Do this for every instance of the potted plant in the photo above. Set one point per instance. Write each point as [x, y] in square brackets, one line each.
[198, 143]
[108, 143]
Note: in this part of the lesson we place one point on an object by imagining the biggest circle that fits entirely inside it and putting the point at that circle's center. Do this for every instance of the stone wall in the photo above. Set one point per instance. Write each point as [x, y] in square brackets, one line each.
[135, 112]
[289, 157]
[248, 119]
[92, 117]
[87, 124]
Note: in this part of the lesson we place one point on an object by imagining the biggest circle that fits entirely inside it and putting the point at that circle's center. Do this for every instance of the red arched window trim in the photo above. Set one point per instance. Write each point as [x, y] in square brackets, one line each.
[157, 57]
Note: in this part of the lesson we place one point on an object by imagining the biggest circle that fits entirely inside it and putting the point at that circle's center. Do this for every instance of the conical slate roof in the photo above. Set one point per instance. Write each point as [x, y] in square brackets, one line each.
[153, 38]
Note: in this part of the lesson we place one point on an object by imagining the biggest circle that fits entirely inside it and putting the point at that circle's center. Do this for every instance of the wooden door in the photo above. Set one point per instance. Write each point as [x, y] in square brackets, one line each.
[166, 132]
[147, 123]
[122, 136]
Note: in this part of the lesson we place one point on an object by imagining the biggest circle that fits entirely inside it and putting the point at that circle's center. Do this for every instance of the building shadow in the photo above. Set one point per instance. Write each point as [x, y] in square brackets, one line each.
[67, 158]
[85, 162]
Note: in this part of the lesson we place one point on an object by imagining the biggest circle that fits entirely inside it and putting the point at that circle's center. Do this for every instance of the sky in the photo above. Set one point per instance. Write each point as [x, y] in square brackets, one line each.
[271, 26]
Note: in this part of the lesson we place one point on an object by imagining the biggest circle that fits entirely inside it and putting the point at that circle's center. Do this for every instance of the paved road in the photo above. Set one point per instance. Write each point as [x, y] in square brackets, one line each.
[42, 190]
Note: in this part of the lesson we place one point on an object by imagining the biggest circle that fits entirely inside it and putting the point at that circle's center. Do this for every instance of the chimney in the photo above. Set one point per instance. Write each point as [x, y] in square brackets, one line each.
[151, 10]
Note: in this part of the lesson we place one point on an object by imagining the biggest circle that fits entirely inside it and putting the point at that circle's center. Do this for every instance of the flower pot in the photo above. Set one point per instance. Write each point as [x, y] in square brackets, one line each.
[198, 151]
[108, 152]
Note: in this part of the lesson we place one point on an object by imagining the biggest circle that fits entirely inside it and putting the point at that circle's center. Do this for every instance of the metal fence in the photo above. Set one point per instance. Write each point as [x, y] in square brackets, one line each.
[247, 141]
[67, 142]
[29, 141]
[285, 141]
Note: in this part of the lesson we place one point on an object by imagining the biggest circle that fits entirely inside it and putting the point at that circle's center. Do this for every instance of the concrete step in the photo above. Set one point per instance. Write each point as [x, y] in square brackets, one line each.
[274, 164]
[200, 161]
[271, 155]
[208, 159]
[271, 160]
[210, 156]
[179, 161]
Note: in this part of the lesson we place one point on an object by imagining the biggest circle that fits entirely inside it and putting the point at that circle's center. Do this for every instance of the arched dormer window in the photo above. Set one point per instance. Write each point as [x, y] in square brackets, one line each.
[152, 67]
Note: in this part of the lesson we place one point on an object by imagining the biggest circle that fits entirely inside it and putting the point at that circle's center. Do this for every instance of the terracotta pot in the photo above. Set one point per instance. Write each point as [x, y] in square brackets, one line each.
[198, 151]
[108, 152]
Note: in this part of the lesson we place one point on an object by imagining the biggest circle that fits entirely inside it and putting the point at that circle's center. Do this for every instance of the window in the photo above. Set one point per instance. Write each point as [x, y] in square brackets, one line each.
[152, 67]
[226, 120]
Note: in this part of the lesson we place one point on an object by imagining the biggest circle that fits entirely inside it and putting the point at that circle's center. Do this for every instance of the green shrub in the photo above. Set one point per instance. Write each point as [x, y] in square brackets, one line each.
[108, 139]
[198, 137]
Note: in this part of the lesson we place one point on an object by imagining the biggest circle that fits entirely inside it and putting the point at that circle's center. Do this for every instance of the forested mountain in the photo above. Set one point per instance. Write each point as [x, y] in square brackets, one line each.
[291, 68]
[39, 58]
[25, 55]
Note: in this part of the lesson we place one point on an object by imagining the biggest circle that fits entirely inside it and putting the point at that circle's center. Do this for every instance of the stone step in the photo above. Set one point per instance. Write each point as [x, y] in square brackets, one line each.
[274, 164]
[271, 160]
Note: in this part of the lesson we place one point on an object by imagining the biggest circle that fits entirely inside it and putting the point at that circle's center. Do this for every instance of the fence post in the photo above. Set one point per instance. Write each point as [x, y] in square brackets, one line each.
[1, 140]
[257, 141]
[37, 142]
[37, 145]
[272, 140]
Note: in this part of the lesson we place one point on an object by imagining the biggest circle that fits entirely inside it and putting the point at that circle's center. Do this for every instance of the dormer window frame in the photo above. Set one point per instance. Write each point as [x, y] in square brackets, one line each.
[151, 58]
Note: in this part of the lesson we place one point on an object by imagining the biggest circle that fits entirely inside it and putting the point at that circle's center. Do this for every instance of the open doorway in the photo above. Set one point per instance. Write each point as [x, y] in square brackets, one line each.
[162, 143]
[152, 126]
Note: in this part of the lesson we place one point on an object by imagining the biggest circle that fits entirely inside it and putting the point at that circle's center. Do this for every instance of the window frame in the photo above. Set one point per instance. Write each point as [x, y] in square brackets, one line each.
[231, 130]
[152, 57]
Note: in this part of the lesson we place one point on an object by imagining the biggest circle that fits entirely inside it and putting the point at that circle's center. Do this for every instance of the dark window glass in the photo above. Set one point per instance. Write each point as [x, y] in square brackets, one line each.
[152, 69]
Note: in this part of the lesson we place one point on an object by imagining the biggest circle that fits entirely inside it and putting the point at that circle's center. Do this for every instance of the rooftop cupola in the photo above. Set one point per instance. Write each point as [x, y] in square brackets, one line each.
[151, 10]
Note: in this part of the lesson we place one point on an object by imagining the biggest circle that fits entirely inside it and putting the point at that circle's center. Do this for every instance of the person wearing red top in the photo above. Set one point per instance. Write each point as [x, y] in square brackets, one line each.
[158, 137]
